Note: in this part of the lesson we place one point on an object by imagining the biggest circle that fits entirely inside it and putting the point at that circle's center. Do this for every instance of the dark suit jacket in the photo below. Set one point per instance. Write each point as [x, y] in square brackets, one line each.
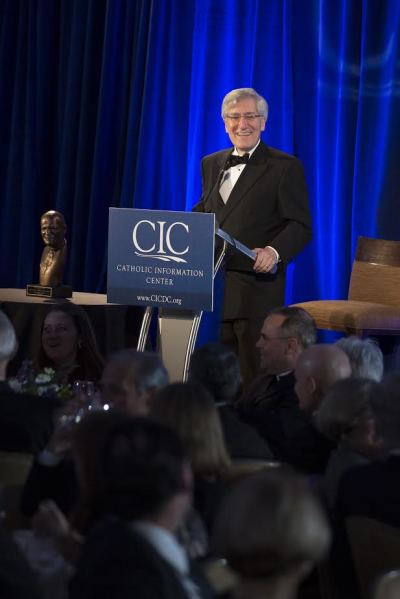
[267, 206]
[26, 421]
[119, 563]
[371, 490]
[241, 439]
[58, 483]
[272, 407]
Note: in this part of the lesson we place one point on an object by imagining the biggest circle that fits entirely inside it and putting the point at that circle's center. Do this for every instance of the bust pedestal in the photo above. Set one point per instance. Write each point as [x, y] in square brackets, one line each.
[49, 291]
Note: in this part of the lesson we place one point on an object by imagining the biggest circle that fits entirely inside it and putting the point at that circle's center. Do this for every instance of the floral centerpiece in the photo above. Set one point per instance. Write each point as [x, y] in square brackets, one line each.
[46, 382]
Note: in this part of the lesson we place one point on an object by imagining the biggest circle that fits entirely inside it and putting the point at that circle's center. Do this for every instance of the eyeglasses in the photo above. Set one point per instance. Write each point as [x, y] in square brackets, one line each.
[250, 118]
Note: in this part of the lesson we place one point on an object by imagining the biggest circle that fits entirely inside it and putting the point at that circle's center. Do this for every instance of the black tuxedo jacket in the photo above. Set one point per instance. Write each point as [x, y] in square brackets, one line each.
[371, 490]
[267, 206]
[241, 439]
[271, 405]
[119, 563]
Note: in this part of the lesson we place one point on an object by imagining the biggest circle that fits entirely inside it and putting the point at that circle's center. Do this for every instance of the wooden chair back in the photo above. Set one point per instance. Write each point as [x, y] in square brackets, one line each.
[375, 275]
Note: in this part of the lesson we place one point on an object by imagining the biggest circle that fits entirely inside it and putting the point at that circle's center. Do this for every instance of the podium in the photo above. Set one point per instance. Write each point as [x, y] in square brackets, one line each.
[176, 332]
[141, 240]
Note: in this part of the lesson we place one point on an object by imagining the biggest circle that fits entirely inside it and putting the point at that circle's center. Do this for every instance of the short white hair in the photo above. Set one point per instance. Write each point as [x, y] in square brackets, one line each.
[365, 356]
[244, 92]
[8, 339]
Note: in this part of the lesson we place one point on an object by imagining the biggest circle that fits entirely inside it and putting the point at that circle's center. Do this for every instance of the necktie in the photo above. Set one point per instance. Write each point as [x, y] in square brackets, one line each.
[235, 160]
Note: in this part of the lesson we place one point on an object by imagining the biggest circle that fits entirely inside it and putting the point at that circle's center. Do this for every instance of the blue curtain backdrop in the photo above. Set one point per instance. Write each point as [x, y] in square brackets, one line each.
[113, 103]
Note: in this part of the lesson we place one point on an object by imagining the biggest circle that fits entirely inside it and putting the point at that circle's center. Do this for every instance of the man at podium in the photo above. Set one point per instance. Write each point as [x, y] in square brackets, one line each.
[259, 197]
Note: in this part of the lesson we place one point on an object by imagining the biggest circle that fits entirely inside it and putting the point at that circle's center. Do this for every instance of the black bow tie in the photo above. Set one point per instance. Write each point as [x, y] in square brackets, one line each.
[235, 160]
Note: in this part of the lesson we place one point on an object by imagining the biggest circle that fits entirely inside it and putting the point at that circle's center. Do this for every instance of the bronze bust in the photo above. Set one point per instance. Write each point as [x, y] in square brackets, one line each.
[53, 229]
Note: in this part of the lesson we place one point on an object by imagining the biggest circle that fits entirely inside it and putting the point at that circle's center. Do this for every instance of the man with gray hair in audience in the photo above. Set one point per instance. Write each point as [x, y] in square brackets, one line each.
[365, 355]
[271, 405]
[131, 378]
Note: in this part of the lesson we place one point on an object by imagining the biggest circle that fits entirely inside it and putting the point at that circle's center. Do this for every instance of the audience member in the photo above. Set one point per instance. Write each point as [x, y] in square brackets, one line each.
[318, 367]
[345, 416]
[271, 530]
[217, 368]
[129, 379]
[145, 488]
[373, 489]
[189, 409]
[365, 355]
[271, 405]
[67, 345]
[26, 421]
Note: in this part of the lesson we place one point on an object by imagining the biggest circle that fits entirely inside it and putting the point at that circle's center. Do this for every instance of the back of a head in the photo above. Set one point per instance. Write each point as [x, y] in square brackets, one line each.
[145, 370]
[327, 364]
[366, 358]
[270, 523]
[139, 466]
[8, 339]
[217, 368]
[298, 323]
[190, 410]
[346, 406]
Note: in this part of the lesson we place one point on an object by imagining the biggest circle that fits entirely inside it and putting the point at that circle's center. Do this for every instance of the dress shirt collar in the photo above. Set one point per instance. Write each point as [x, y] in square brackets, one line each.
[164, 543]
[250, 152]
[281, 375]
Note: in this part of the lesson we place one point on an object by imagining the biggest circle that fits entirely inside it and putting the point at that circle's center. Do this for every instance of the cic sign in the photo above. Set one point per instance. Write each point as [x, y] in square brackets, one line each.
[161, 258]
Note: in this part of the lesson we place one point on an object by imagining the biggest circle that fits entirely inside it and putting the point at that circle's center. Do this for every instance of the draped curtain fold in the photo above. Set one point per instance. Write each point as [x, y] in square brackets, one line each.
[114, 102]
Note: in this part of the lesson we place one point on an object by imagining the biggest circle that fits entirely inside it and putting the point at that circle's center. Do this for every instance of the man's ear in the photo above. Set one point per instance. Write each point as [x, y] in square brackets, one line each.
[292, 346]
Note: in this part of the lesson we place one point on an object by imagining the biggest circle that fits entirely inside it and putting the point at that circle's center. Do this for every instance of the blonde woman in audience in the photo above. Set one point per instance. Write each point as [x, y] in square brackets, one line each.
[190, 410]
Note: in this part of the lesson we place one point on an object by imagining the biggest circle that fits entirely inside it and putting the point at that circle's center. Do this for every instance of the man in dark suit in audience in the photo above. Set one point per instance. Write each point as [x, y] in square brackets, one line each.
[271, 405]
[26, 421]
[147, 487]
[217, 368]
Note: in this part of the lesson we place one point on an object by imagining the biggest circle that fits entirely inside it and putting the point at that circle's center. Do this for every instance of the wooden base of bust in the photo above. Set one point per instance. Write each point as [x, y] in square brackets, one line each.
[47, 291]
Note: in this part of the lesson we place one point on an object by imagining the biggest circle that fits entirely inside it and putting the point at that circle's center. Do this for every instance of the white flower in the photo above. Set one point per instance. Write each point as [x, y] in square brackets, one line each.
[49, 371]
[43, 377]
